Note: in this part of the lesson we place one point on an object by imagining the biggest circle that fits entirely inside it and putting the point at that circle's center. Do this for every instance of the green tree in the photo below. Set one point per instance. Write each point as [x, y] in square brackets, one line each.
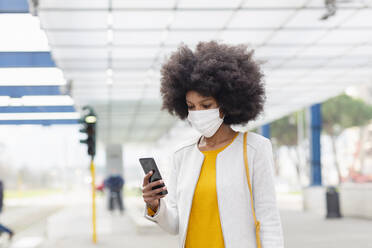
[284, 133]
[340, 113]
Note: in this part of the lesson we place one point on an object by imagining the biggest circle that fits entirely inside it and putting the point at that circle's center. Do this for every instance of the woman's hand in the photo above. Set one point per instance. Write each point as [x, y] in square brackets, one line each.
[150, 196]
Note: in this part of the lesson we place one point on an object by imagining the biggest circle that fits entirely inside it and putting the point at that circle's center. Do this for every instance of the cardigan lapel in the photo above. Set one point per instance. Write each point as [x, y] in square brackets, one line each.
[190, 178]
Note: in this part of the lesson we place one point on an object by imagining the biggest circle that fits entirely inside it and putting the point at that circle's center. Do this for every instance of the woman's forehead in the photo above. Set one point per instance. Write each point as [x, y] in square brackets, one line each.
[198, 98]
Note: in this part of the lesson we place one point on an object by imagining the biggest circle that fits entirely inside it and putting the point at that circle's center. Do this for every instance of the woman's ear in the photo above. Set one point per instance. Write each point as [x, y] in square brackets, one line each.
[222, 115]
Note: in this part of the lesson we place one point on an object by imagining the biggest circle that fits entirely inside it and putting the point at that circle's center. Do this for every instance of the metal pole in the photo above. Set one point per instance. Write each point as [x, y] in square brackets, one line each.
[92, 171]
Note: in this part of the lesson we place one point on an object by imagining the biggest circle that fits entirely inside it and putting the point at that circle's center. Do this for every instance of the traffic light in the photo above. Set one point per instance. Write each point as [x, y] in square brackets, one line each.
[89, 121]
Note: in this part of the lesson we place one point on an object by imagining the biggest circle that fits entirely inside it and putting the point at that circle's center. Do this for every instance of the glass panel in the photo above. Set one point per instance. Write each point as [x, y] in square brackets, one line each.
[244, 36]
[174, 38]
[311, 18]
[259, 18]
[143, 4]
[80, 53]
[73, 19]
[297, 37]
[77, 38]
[209, 4]
[142, 19]
[138, 38]
[192, 19]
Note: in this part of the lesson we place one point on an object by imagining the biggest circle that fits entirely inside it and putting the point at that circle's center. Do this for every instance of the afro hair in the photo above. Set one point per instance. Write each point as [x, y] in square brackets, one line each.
[228, 73]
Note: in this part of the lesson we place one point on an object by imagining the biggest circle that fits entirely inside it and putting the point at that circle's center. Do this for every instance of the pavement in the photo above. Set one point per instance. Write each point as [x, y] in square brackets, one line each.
[70, 227]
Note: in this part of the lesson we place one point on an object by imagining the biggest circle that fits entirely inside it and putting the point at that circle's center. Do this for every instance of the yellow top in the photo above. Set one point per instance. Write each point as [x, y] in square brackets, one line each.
[204, 228]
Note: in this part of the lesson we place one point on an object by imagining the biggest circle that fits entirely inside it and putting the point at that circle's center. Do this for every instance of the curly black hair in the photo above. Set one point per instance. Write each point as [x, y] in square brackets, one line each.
[226, 72]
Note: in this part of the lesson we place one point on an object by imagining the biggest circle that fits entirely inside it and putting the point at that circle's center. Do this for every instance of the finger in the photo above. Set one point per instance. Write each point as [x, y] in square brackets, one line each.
[155, 191]
[146, 178]
[149, 186]
[156, 183]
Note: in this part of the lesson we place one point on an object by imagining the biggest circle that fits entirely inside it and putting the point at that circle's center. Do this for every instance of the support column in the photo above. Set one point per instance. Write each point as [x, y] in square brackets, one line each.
[315, 156]
[314, 195]
[114, 159]
[265, 130]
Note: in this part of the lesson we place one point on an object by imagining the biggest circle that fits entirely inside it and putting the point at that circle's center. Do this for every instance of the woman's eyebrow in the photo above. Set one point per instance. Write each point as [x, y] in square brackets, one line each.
[200, 101]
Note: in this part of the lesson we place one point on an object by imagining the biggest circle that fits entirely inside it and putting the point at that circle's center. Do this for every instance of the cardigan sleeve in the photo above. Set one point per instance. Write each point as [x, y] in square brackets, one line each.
[166, 215]
[265, 203]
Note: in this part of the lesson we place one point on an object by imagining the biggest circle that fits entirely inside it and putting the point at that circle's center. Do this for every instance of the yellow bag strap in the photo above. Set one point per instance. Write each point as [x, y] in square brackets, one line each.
[257, 223]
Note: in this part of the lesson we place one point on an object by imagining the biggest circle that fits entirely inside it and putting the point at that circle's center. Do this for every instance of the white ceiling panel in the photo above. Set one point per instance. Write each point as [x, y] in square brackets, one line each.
[297, 37]
[260, 18]
[324, 51]
[347, 37]
[364, 50]
[91, 75]
[73, 19]
[278, 51]
[304, 63]
[138, 38]
[145, 4]
[211, 19]
[133, 63]
[244, 36]
[347, 62]
[77, 38]
[132, 53]
[304, 60]
[191, 38]
[310, 18]
[275, 3]
[142, 19]
[80, 53]
[73, 4]
[83, 64]
[208, 4]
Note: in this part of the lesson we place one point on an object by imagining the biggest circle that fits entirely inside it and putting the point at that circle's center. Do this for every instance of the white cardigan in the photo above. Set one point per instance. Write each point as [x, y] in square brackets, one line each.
[233, 195]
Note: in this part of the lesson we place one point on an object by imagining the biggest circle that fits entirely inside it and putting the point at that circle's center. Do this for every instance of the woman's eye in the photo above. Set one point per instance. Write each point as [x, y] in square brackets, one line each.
[189, 107]
[206, 106]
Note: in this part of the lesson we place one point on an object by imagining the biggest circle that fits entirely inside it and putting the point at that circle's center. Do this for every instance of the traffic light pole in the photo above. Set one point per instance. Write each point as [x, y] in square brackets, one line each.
[89, 128]
[93, 175]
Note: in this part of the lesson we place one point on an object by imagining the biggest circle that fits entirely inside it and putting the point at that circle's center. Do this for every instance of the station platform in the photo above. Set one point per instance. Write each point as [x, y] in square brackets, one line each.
[70, 227]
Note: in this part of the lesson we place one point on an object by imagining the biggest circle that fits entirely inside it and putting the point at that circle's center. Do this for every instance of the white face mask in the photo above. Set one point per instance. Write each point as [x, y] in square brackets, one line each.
[205, 122]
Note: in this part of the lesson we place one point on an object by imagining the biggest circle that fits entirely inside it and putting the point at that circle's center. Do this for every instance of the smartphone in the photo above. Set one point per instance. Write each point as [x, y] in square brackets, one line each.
[148, 164]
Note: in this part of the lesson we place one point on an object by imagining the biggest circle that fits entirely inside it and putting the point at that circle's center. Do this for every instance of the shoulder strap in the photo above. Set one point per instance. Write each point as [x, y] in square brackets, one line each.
[257, 223]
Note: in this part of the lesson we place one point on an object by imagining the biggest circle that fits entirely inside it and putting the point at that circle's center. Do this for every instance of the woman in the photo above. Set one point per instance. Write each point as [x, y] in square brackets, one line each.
[208, 202]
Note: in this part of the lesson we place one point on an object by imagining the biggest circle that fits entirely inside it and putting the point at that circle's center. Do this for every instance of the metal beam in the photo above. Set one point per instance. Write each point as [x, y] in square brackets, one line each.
[26, 59]
[19, 91]
[197, 29]
[37, 109]
[40, 122]
[248, 9]
[14, 6]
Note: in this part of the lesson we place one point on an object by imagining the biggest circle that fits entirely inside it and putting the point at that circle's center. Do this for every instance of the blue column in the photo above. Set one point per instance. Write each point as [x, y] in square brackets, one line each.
[13, 6]
[265, 130]
[26, 59]
[315, 131]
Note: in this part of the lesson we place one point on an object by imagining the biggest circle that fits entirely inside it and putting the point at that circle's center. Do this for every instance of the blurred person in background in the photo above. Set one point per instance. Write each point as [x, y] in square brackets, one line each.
[115, 183]
[209, 203]
[4, 229]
